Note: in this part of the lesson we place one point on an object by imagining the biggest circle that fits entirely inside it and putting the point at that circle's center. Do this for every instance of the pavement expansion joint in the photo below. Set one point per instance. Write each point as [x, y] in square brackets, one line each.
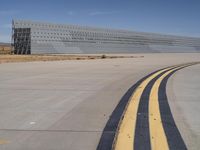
[32, 130]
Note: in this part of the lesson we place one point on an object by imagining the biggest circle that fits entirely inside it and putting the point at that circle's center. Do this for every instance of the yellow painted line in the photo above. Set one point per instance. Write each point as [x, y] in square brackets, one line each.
[157, 134]
[3, 141]
[125, 136]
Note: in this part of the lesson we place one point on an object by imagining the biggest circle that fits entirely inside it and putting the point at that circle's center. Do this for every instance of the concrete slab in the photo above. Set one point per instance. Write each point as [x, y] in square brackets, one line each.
[66, 104]
[184, 97]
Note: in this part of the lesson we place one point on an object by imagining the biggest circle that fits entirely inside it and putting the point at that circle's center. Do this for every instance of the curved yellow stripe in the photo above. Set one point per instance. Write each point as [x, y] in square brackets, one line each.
[157, 133]
[125, 136]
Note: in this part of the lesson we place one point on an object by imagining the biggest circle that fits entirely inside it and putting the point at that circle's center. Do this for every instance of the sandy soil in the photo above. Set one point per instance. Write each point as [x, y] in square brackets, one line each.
[30, 58]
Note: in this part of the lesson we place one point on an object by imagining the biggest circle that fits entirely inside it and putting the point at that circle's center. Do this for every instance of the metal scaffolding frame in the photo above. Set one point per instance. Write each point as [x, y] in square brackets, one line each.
[38, 38]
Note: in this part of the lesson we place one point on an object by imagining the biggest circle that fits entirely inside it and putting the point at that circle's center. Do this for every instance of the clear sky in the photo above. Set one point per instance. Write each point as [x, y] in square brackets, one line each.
[178, 17]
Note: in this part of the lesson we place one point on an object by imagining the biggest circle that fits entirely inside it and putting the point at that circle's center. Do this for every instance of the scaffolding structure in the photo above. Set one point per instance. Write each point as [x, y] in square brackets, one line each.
[46, 38]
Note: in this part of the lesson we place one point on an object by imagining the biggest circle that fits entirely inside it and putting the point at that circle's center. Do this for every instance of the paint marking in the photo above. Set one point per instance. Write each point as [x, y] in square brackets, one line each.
[32, 122]
[121, 139]
[157, 134]
[126, 133]
[3, 141]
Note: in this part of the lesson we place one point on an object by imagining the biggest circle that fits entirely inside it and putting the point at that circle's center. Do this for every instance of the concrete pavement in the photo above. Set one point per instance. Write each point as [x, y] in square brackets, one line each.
[184, 98]
[66, 104]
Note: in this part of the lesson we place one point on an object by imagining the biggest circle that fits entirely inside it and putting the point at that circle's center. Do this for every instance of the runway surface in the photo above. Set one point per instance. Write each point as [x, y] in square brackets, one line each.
[67, 104]
[143, 119]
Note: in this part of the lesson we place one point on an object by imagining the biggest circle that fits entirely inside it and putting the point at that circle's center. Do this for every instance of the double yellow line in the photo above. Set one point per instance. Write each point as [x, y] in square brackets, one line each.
[124, 138]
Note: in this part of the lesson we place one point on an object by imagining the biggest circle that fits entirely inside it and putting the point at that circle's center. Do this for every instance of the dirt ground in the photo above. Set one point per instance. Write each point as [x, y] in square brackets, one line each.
[30, 58]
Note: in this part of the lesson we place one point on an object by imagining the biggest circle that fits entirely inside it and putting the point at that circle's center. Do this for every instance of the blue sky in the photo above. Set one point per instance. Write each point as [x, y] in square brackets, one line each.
[178, 17]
